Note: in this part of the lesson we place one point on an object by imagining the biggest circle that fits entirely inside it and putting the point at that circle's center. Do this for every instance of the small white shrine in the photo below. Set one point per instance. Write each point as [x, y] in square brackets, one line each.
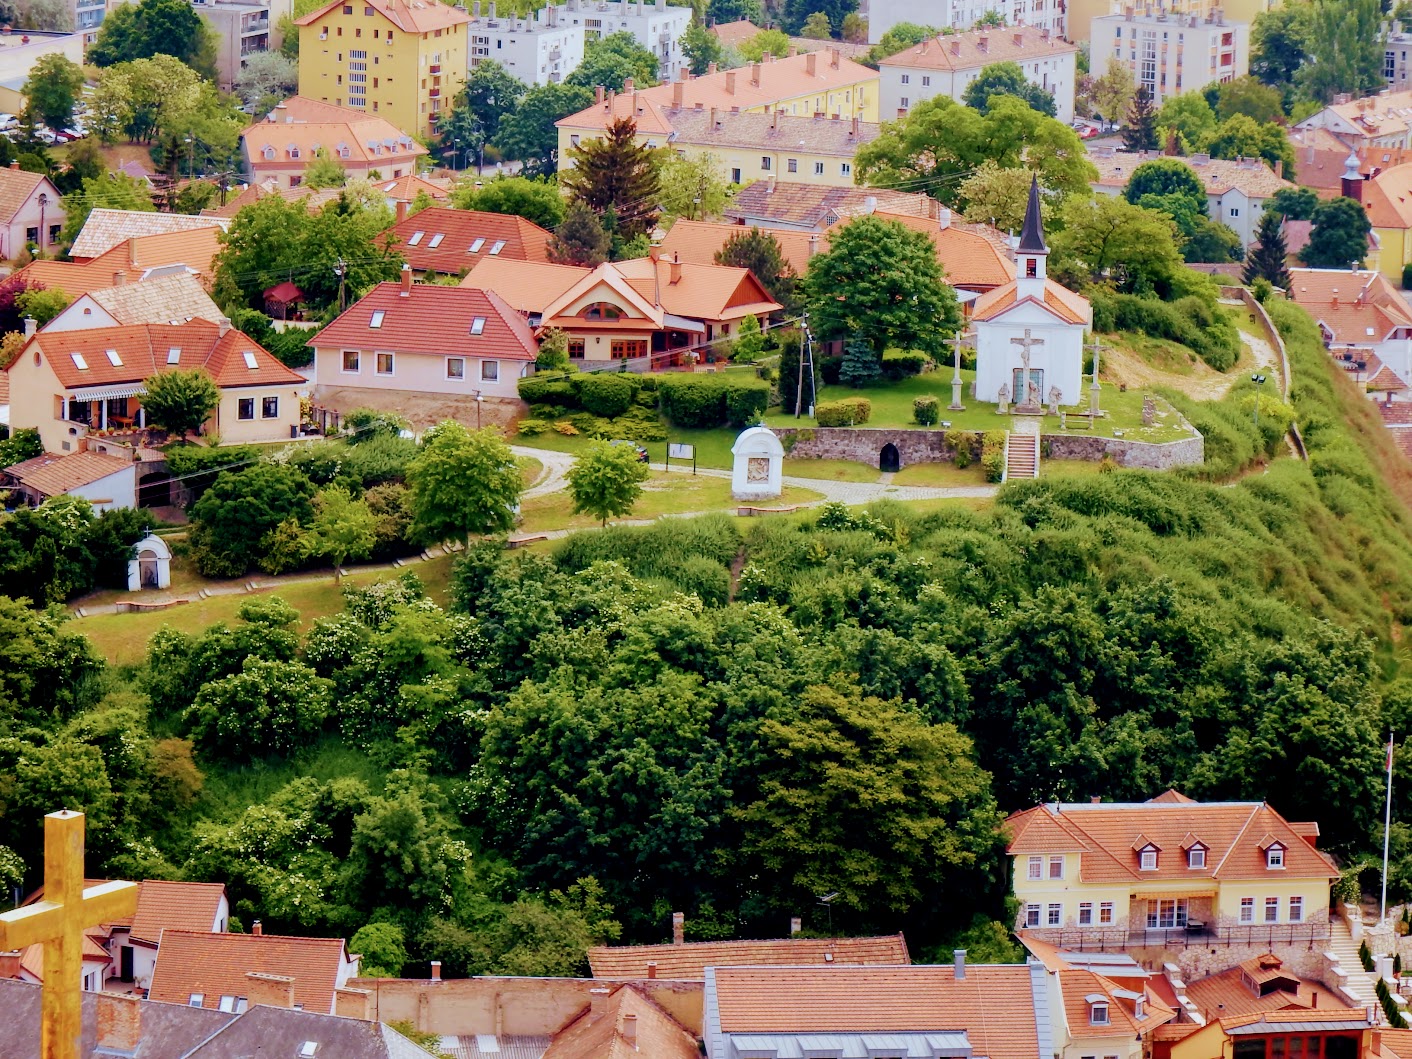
[150, 565]
[1030, 332]
[758, 469]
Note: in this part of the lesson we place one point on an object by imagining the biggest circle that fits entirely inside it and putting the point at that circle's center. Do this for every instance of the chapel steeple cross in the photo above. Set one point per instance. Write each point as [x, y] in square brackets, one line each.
[58, 922]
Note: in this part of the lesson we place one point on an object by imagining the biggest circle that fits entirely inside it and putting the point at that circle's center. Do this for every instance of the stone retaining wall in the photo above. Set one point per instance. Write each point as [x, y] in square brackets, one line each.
[1144, 454]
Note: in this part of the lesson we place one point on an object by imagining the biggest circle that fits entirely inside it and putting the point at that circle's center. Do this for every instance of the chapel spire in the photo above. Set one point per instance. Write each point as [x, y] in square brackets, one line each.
[1032, 235]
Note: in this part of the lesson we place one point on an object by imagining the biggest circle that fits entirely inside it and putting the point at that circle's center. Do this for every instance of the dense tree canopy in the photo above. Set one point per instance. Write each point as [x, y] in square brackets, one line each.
[152, 27]
[1006, 79]
[1339, 237]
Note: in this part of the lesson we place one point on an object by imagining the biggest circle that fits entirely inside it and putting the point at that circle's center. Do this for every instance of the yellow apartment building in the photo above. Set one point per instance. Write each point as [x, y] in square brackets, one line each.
[403, 60]
[1156, 874]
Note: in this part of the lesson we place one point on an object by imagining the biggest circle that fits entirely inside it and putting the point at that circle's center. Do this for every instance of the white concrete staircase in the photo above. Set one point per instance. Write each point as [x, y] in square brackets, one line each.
[1021, 455]
[1358, 982]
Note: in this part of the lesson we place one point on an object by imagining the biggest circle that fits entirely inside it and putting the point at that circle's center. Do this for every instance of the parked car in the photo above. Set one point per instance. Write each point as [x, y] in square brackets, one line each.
[9, 121]
[641, 449]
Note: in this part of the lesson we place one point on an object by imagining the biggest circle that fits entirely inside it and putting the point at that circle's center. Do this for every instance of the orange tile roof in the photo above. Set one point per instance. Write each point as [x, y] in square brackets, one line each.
[54, 475]
[32, 956]
[688, 962]
[1319, 158]
[314, 199]
[143, 350]
[700, 241]
[406, 188]
[969, 254]
[1075, 985]
[106, 228]
[416, 16]
[994, 1004]
[1397, 1042]
[1383, 115]
[216, 965]
[737, 32]
[136, 257]
[1231, 831]
[801, 205]
[605, 1035]
[980, 47]
[1388, 197]
[432, 319]
[1351, 304]
[305, 124]
[649, 114]
[164, 905]
[1065, 304]
[440, 239]
[1217, 175]
[528, 286]
[700, 292]
[1354, 1015]
[1231, 993]
[18, 185]
[785, 133]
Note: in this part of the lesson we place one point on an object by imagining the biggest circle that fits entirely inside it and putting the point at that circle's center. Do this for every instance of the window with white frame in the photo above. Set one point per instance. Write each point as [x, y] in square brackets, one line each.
[1036, 868]
[1031, 915]
[1085, 913]
[1105, 913]
[1272, 910]
[1296, 910]
[1098, 1013]
[1147, 858]
[1196, 857]
[455, 367]
[1275, 856]
[1247, 910]
[1166, 913]
[1055, 915]
[1056, 867]
[490, 371]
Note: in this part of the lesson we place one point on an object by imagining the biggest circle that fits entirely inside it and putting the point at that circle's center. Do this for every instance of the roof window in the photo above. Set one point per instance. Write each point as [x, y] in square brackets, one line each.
[436, 240]
[499, 246]
[250, 361]
[416, 238]
[196, 1000]
[376, 321]
[174, 355]
[475, 247]
[113, 358]
[79, 362]
[478, 325]
[308, 1049]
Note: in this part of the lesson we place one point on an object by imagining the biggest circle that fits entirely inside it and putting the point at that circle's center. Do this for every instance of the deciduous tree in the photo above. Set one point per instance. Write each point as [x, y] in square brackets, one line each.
[1298, 204]
[1240, 137]
[999, 197]
[1278, 39]
[52, 90]
[324, 172]
[1339, 237]
[1006, 79]
[1344, 47]
[1109, 239]
[1190, 117]
[691, 186]
[898, 38]
[152, 27]
[1246, 95]
[610, 61]
[233, 517]
[528, 133]
[816, 27]
[464, 483]
[701, 48]
[266, 708]
[605, 480]
[1113, 91]
[180, 401]
[774, 41]
[534, 200]
[266, 77]
[342, 528]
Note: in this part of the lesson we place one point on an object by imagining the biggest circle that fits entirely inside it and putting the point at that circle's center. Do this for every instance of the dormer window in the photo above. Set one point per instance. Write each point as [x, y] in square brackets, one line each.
[1147, 858]
[1097, 1009]
[1275, 856]
[269, 153]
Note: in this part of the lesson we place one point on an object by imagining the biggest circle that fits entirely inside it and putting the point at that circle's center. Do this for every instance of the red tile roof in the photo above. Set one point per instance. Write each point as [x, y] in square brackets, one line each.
[144, 349]
[312, 126]
[1106, 831]
[799, 205]
[416, 16]
[432, 319]
[1238, 991]
[737, 32]
[164, 905]
[980, 47]
[700, 241]
[689, 962]
[626, 1014]
[135, 258]
[1358, 308]
[54, 475]
[1065, 304]
[439, 239]
[215, 965]
[16, 187]
[1076, 985]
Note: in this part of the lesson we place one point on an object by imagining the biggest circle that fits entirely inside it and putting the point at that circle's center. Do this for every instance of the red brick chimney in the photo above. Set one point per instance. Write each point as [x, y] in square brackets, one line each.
[811, 63]
[256, 929]
[436, 970]
[730, 82]
[401, 211]
[677, 95]
[678, 928]
[406, 281]
[119, 1023]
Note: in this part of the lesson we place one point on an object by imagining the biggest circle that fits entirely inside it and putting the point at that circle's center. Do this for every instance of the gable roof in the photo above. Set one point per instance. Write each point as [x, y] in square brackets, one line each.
[416, 16]
[688, 962]
[803, 205]
[18, 185]
[1388, 197]
[604, 1034]
[737, 32]
[1251, 176]
[106, 228]
[700, 241]
[440, 239]
[314, 199]
[216, 965]
[528, 286]
[280, 1032]
[699, 292]
[1229, 992]
[996, 1005]
[648, 114]
[132, 259]
[142, 350]
[165, 299]
[784, 133]
[1076, 985]
[310, 126]
[1384, 115]
[406, 188]
[979, 48]
[432, 319]
[1357, 308]
[164, 905]
[53, 474]
[1059, 301]
[1231, 830]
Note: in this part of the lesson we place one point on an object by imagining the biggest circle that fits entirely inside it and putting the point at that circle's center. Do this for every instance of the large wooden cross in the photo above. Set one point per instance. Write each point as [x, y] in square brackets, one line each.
[58, 923]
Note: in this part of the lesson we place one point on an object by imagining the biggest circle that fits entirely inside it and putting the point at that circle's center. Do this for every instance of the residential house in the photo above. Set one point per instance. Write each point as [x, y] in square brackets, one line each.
[407, 187]
[999, 1012]
[798, 85]
[1236, 190]
[1262, 983]
[67, 384]
[134, 260]
[1383, 120]
[403, 60]
[688, 961]
[1350, 1033]
[698, 242]
[788, 204]
[620, 1024]
[1386, 193]
[241, 28]
[734, 34]
[655, 311]
[1171, 54]
[1320, 159]
[163, 300]
[314, 199]
[1094, 1015]
[230, 972]
[442, 240]
[27, 964]
[106, 228]
[945, 66]
[30, 214]
[107, 482]
[538, 50]
[426, 338]
[1397, 42]
[1364, 320]
[1154, 873]
[657, 26]
[301, 129]
[163, 905]
[961, 15]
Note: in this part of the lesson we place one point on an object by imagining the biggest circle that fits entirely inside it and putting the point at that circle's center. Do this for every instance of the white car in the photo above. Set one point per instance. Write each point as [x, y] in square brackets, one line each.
[9, 121]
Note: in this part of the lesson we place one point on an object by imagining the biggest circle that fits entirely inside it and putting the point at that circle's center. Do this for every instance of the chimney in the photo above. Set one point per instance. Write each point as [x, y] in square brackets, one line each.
[811, 66]
[955, 46]
[944, 221]
[755, 74]
[401, 211]
[627, 84]
[1095, 799]
[612, 95]
[272, 990]
[833, 58]
[795, 925]
[598, 1002]
[9, 964]
[256, 929]
[436, 970]
[651, 968]
[353, 1004]
[406, 280]
[713, 117]
[598, 93]
[14, 165]
[1334, 299]
[983, 43]
[678, 928]
[774, 119]
[870, 204]
[813, 244]
[1019, 40]
[132, 253]
[730, 82]
[673, 278]
[629, 1031]
[1377, 1040]
[31, 326]
[678, 88]
[119, 1023]
[857, 126]
[766, 57]
[711, 68]
[958, 960]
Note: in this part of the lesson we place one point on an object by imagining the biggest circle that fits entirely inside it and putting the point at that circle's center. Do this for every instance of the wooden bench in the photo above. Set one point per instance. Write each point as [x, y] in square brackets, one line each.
[520, 542]
[1071, 417]
[751, 512]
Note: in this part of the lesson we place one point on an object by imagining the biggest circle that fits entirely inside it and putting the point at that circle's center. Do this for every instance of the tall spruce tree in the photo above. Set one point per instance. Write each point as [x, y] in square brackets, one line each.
[579, 239]
[1141, 133]
[1266, 258]
[616, 171]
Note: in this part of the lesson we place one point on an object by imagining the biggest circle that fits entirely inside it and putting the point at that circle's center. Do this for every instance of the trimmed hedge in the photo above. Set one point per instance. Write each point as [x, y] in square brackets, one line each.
[537, 389]
[604, 394]
[849, 412]
[712, 401]
[926, 410]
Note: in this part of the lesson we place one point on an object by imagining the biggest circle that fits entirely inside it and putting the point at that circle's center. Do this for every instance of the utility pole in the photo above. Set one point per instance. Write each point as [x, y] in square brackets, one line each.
[806, 363]
[341, 271]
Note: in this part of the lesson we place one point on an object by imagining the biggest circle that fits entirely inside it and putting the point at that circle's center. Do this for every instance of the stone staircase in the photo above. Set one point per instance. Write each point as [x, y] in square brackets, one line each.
[1359, 982]
[1021, 455]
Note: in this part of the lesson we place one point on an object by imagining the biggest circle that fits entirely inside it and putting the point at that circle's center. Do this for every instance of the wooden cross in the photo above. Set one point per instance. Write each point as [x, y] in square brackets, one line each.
[58, 923]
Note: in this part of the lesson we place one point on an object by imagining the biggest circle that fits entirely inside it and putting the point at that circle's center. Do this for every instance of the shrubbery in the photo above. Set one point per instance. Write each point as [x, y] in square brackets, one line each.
[849, 412]
[1192, 321]
[898, 365]
[993, 455]
[926, 410]
[605, 394]
[713, 400]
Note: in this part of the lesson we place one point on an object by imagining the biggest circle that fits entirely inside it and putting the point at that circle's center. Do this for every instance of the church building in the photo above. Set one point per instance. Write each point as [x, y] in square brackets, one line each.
[1030, 331]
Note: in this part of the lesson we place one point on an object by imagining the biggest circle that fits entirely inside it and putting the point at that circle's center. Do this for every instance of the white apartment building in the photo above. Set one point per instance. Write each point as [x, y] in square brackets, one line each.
[944, 66]
[657, 27]
[240, 28]
[1397, 43]
[542, 50]
[963, 14]
[1171, 54]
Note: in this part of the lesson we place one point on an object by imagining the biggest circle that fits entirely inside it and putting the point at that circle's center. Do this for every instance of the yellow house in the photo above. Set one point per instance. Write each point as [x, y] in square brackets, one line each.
[404, 61]
[1387, 196]
[1160, 873]
[1322, 1033]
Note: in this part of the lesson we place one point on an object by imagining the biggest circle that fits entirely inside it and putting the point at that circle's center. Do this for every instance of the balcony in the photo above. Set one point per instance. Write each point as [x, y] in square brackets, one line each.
[1195, 934]
[434, 93]
[436, 68]
[256, 25]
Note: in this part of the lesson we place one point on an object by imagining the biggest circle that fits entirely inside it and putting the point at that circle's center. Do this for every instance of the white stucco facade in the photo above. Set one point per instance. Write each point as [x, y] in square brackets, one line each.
[542, 50]
[657, 27]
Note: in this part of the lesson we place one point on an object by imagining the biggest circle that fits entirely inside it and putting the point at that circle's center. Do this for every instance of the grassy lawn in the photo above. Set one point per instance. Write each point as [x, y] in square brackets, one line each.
[530, 469]
[663, 494]
[832, 470]
[939, 475]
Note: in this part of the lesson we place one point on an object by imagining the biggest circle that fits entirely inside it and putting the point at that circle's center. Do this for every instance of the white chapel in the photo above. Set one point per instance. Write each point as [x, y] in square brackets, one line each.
[1030, 331]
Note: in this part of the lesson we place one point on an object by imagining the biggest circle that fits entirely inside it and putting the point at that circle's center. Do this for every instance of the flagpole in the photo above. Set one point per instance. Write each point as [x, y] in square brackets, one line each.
[1387, 825]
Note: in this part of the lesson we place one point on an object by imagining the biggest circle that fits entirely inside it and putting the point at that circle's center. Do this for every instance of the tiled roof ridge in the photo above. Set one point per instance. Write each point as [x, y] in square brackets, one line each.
[751, 941]
[1254, 812]
[174, 931]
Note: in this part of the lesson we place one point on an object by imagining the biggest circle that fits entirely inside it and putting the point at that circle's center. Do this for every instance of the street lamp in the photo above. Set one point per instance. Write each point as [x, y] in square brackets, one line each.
[479, 399]
[190, 157]
[43, 201]
[1259, 381]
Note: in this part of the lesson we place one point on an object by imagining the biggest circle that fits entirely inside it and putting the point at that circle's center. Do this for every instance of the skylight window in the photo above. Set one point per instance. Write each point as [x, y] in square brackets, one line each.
[376, 321]
[113, 358]
[499, 246]
[416, 238]
[308, 1049]
[250, 360]
[436, 240]
[475, 247]
[174, 355]
[79, 362]
[478, 325]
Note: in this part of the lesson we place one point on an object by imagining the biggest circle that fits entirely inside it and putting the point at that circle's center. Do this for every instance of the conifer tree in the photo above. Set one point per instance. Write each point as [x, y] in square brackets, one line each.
[1267, 255]
[861, 364]
[579, 239]
[1141, 133]
[616, 171]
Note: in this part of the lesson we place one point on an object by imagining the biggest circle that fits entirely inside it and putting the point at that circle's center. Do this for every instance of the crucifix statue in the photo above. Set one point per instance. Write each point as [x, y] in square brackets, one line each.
[956, 405]
[1026, 344]
[58, 922]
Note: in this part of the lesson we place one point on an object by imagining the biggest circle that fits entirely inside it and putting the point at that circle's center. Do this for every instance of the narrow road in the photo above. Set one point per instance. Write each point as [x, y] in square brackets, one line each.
[556, 466]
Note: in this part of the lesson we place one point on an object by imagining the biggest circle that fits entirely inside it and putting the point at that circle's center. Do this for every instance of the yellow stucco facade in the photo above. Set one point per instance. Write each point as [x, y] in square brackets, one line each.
[1394, 251]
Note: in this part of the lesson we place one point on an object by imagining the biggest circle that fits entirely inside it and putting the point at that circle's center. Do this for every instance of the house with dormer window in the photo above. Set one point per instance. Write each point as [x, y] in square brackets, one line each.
[1168, 872]
[298, 130]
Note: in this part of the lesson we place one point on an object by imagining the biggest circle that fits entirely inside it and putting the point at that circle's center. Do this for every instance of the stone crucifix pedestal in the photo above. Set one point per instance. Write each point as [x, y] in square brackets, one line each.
[1029, 402]
[956, 405]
